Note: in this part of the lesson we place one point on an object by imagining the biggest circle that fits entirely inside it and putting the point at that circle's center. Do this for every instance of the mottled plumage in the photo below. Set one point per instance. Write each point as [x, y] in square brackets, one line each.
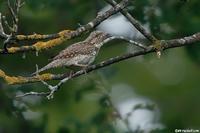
[80, 54]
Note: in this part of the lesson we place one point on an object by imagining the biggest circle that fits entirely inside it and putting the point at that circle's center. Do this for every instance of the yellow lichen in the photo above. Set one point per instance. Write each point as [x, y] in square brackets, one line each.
[39, 45]
[46, 76]
[16, 49]
[34, 36]
[21, 80]
[157, 44]
[158, 47]
[51, 43]
[15, 80]
[21, 37]
[12, 79]
[2, 73]
[13, 49]
[65, 33]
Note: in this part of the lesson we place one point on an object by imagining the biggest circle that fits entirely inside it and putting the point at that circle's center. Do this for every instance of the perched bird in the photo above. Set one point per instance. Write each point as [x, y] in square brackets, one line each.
[80, 54]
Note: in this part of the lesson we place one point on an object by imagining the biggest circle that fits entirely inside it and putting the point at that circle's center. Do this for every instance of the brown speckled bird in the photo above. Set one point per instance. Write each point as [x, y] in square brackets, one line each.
[80, 54]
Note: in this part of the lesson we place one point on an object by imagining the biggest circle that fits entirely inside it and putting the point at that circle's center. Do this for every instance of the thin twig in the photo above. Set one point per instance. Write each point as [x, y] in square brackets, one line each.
[11, 12]
[14, 10]
[125, 39]
[51, 88]
[134, 22]
[32, 93]
[6, 23]
[2, 33]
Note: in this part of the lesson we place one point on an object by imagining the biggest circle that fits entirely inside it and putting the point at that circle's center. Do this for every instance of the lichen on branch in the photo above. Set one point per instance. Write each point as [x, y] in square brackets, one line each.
[57, 39]
[35, 36]
[41, 45]
[11, 80]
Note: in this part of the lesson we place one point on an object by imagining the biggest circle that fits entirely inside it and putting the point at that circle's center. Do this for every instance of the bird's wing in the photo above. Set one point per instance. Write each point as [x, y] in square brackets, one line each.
[74, 49]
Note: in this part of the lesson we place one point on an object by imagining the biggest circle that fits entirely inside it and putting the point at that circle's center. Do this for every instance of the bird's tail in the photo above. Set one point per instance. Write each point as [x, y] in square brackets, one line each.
[42, 69]
[38, 71]
[53, 64]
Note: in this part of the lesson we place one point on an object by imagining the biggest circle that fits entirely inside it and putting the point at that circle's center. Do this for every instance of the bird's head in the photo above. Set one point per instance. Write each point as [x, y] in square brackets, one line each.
[97, 37]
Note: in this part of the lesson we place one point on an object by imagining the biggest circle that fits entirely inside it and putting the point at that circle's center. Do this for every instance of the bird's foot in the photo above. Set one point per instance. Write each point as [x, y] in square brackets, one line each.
[85, 69]
[71, 73]
[83, 66]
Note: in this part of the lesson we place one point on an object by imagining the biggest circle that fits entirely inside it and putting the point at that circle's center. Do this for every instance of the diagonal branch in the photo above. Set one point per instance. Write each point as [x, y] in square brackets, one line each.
[166, 44]
[14, 11]
[134, 22]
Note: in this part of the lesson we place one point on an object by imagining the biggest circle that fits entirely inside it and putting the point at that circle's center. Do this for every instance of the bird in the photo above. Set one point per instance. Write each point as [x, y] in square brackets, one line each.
[80, 54]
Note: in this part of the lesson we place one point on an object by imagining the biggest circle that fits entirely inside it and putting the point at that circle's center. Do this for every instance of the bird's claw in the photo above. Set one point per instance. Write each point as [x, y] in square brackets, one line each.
[85, 70]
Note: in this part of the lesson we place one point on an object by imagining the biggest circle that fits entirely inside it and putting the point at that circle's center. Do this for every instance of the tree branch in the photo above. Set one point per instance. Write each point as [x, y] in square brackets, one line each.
[41, 45]
[52, 40]
[64, 36]
[134, 22]
[166, 44]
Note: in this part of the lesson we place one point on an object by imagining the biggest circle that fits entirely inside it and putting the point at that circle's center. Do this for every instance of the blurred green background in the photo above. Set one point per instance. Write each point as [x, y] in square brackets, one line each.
[172, 82]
